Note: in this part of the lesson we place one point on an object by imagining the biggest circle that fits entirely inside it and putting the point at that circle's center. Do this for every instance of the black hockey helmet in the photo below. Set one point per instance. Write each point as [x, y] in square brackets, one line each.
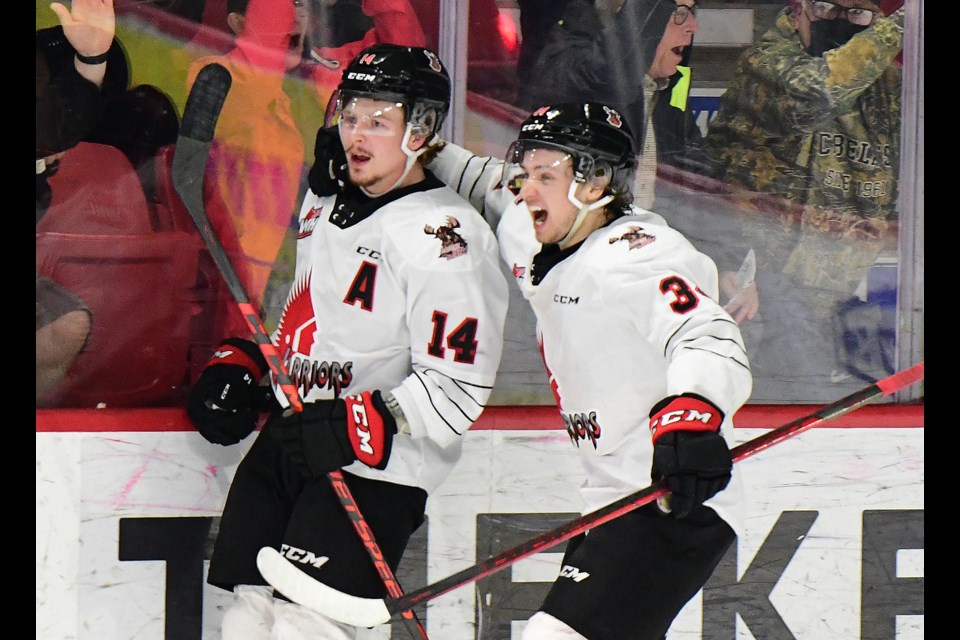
[412, 76]
[589, 131]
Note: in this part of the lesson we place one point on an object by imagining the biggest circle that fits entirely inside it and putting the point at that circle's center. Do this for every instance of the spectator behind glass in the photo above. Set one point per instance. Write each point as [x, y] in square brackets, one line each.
[68, 105]
[813, 115]
[627, 63]
[256, 160]
[341, 21]
[536, 19]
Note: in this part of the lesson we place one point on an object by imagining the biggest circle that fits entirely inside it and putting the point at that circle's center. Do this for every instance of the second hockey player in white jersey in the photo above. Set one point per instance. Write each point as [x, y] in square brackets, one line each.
[646, 366]
[392, 333]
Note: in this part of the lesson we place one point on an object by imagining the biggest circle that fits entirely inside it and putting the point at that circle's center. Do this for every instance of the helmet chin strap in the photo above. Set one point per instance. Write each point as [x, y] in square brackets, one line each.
[584, 209]
[411, 159]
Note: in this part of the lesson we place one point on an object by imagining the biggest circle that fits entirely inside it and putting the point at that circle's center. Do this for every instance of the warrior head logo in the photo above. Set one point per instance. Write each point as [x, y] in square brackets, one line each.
[635, 238]
[452, 243]
[298, 324]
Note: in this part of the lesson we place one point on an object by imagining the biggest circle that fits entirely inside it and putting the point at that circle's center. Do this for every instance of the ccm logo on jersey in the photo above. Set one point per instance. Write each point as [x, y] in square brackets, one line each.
[687, 412]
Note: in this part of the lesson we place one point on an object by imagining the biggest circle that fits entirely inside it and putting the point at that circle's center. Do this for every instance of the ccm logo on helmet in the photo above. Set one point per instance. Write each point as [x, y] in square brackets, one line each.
[363, 77]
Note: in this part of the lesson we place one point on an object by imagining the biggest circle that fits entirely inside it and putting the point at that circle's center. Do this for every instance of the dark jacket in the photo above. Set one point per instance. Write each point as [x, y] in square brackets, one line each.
[585, 61]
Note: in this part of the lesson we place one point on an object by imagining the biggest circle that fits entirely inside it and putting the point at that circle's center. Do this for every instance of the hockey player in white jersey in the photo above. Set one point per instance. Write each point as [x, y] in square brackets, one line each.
[646, 366]
[396, 313]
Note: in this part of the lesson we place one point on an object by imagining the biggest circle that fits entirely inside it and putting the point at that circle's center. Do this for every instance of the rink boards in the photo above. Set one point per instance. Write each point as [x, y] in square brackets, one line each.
[128, 504]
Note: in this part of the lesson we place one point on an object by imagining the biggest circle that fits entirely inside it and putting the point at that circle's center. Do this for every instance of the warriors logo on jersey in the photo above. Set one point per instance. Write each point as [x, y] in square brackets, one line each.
[582, 426]
[295, 337]
[298, 324]
[635, 238]
[452, 243]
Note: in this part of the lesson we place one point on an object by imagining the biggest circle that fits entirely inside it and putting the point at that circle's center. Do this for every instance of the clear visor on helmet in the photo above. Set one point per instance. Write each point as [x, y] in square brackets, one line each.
[542, 162]
[356, 115]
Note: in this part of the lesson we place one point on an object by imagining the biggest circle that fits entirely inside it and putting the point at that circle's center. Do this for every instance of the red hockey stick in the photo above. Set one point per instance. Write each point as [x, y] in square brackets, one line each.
[189, 161]
[368, 612]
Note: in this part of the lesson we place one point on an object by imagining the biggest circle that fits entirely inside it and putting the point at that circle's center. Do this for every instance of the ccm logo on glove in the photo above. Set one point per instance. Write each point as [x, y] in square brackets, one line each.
[330, 434]
[684, 413]
[688, 451]
[367, 430]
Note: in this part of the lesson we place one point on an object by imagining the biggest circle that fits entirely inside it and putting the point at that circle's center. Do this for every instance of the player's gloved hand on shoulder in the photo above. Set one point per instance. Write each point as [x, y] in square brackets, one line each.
[226, 401]
[330, 434]
[689, 451]
[329, 171]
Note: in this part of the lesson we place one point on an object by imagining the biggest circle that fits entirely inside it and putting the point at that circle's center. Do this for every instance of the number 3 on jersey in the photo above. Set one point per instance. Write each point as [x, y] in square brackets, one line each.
[685, 298]
[462, 340]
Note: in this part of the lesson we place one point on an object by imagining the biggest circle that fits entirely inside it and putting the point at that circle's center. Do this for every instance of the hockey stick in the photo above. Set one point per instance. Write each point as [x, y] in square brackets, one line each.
[197, 127]
[368, 612]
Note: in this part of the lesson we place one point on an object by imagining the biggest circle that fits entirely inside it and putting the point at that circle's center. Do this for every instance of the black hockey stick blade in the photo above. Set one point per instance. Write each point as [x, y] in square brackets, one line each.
[368, 612]
[190, 156]
[199, 122]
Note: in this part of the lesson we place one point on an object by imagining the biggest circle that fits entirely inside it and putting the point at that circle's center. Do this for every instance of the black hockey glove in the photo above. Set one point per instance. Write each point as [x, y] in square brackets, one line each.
[226, 401]
[329, 171]
[689, 451]
[330, 434]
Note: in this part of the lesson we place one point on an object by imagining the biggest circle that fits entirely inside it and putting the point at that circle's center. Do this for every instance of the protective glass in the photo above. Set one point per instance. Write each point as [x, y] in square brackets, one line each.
[859, 16]
[359, 116]
[683, 12]
[545, 164]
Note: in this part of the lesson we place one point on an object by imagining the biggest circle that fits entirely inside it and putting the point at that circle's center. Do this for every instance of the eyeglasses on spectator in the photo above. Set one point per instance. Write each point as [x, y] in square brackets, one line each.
[859, 16]
[683, 12]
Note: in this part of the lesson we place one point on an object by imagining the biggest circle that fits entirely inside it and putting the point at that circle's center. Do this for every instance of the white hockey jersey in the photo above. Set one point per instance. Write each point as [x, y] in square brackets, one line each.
[624, 320]
[401, 293]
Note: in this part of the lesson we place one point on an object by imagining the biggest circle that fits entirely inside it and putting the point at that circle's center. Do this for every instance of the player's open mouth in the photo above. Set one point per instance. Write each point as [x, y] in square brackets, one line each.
[539, 215]
[358, 159]
[678, 51]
